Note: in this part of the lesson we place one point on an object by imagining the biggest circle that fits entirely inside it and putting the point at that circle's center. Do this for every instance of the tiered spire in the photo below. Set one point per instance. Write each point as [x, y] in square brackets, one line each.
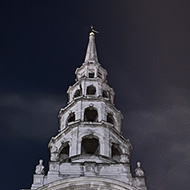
[89, 152]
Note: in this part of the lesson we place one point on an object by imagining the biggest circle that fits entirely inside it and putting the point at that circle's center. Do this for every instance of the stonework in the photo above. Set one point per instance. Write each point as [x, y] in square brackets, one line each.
[89, 151]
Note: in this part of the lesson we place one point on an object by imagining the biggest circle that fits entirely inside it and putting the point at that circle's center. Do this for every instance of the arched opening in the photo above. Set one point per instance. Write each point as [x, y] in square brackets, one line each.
[105, 94]
[110, 118]
[116, 152]
[91, 75]
[64, 154]
[90, 114]
[71, 117]
[77, 93]
[90, 145]
[91, 90]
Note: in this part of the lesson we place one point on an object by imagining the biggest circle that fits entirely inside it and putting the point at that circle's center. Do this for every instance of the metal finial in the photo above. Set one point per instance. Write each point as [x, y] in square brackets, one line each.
[93, 31]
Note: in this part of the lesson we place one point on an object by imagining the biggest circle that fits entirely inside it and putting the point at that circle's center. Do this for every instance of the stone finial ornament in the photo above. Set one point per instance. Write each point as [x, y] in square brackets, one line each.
[40, 168]
[124, 158]
[139, 171]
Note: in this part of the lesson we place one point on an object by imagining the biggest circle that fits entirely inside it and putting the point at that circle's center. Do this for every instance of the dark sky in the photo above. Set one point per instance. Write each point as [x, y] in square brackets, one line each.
[145, 47]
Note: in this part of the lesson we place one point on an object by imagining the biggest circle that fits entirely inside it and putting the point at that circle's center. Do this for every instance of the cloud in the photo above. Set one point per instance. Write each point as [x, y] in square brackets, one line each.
[160, 138]
[30, 116]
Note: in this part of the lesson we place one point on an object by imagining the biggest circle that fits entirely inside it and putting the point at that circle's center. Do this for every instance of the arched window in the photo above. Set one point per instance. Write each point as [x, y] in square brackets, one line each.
[71, 117]
[116, 152]
[90, 145]
[105, 94]
[90, 114]
[91, 90]
[110, 118]
[64, 154]
[77, 93]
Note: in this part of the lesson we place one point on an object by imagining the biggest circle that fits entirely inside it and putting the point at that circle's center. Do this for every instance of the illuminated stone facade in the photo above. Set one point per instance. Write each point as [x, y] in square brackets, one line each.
[89, 151]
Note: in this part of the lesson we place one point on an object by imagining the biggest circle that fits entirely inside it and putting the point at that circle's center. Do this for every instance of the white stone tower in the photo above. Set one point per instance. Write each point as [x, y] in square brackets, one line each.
[89, 151]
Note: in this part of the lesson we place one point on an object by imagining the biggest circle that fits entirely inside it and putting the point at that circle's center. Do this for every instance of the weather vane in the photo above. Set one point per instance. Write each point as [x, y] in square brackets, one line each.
[93, 31]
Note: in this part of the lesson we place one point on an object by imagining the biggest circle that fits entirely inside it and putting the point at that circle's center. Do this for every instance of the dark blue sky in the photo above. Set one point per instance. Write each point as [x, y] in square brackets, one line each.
[144, 46]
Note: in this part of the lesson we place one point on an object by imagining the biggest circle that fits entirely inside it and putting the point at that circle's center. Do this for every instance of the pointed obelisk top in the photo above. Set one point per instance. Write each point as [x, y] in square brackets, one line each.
[91, 53]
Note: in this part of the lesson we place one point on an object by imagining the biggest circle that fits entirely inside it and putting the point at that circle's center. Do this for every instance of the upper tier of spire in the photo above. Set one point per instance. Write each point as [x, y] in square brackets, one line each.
[91, 53]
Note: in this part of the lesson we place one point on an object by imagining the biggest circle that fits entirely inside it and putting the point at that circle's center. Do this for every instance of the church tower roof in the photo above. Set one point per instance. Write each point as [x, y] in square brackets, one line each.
[89, 152]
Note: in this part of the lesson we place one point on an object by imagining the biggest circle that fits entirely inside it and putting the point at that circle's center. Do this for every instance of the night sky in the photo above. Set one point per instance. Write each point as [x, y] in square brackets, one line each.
[145, 47]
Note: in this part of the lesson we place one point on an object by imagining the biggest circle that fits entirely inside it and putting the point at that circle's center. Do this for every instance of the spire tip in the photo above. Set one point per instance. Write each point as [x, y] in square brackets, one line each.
[91, 53]
[92, 33]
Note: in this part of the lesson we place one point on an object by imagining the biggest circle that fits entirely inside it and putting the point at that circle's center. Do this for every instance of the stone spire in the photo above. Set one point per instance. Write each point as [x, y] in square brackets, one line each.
[91, 53]
[89, 151]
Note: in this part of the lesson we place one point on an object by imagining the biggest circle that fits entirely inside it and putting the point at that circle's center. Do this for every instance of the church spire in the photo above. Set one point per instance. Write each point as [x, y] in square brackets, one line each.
[89, 144]
[91, 53]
